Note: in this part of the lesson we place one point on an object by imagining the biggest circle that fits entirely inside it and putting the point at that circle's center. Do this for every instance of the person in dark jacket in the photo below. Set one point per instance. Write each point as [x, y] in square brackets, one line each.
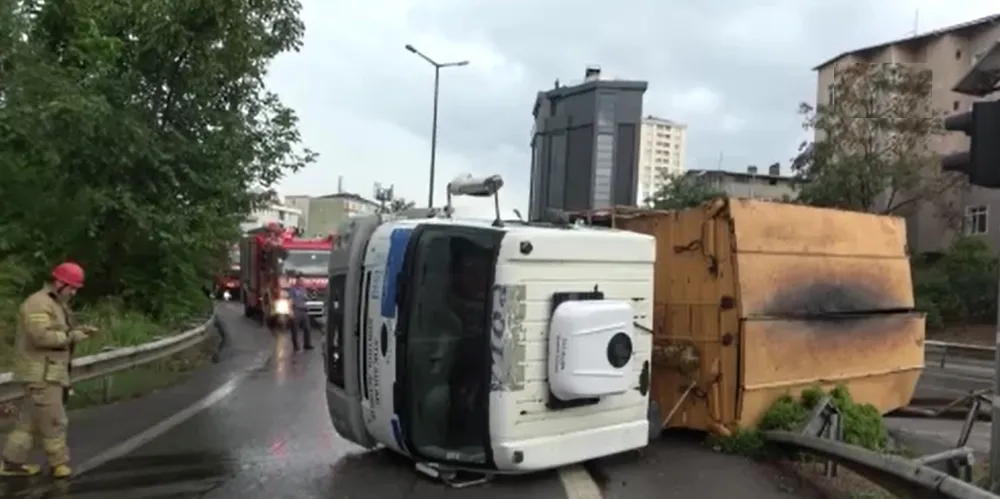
[298, 294]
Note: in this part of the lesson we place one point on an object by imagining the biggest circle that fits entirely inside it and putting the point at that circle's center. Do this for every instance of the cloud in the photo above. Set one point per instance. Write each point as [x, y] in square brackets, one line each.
[734, 72]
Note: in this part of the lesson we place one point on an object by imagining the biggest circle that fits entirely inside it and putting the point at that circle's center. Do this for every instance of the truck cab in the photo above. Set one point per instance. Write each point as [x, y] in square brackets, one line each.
[498, 347]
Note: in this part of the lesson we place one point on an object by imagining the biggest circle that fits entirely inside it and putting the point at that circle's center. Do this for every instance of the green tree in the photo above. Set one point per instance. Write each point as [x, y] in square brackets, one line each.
[675, 192]
[960, 287]
[871, 150]
[134, 135]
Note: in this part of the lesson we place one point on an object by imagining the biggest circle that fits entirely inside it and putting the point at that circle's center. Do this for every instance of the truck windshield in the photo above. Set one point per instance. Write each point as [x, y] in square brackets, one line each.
[445, 345]
[308, 262]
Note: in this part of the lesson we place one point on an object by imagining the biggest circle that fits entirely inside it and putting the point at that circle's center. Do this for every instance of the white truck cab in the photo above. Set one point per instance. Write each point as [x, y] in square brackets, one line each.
[489, 346]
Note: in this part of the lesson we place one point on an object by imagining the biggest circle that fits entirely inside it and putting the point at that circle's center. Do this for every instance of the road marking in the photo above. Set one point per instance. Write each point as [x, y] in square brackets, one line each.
[578, 483]
[144, 437]
[130, 444]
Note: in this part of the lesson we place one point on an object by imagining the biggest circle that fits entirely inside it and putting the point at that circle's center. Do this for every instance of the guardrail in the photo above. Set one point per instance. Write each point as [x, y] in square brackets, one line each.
[961, 350]
[822, 436]
[900, 476]
[119, 359]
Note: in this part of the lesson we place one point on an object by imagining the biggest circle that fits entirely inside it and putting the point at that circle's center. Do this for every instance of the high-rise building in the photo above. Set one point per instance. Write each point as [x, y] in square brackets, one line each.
[661, 152]
[585, 145]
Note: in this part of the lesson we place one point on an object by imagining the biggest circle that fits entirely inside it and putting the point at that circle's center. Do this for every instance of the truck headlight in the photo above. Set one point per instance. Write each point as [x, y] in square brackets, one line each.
[282, 306]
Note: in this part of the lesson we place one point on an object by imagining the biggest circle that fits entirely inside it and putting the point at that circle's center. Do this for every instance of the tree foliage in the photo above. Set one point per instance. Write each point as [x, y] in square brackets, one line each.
[960, 287]
[872, 142]
[133, 134]
[675, 192]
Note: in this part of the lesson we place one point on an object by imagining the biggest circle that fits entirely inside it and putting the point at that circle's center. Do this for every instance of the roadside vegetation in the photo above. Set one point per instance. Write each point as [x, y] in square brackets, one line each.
[135, 147]
[862, 423]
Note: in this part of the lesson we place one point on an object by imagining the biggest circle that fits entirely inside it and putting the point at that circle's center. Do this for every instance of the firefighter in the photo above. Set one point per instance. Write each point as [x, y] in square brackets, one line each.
[43, 349]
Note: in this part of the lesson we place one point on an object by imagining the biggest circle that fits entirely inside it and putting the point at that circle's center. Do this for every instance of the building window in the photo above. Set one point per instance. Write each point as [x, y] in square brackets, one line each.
[281, 216]
[954, 106]
[958, 54]
[976, 219]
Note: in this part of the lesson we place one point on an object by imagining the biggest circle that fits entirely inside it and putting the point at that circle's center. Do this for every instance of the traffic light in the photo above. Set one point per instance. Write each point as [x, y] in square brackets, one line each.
[981, 163]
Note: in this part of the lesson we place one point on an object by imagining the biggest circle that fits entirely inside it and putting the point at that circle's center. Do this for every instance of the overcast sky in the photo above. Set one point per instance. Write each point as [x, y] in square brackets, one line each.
[733, 71]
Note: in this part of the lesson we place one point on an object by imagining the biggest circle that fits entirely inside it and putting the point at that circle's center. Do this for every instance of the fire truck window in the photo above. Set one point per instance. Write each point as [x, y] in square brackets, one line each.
[308, 262]
[334, 340]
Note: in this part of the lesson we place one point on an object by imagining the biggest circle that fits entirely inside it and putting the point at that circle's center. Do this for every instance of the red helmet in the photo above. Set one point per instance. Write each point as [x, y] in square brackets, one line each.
[69, 273]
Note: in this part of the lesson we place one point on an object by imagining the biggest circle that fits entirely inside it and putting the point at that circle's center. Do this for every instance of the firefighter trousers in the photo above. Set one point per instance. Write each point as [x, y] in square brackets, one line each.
[43, 413]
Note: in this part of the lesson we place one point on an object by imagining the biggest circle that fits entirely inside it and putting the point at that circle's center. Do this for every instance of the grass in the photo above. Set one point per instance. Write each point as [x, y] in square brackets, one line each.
[140, 380]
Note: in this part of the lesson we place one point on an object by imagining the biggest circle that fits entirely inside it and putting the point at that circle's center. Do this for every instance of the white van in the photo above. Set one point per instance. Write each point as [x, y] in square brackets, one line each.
[489, 346]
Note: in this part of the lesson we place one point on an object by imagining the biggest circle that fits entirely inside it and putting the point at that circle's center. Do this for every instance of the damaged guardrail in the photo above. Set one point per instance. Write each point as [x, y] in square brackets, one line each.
[821, 437]
[120, 359]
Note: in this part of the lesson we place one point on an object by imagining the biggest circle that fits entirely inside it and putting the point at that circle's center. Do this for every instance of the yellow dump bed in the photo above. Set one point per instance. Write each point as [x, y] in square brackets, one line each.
[755, 299]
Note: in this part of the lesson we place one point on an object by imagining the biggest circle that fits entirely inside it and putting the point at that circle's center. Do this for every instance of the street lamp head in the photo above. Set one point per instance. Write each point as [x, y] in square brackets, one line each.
[462, 63]
[411, 48]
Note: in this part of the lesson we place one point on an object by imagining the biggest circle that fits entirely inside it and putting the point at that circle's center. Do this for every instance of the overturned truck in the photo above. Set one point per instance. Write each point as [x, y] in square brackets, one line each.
[755, 300]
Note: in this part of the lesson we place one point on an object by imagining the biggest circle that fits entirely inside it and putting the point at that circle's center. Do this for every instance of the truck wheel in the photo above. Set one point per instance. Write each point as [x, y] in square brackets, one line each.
[655, 417]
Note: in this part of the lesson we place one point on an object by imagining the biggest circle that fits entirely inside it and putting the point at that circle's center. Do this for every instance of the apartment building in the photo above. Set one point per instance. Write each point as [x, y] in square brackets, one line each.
[661, 152]
[770, 185]
[286, 216]
[585, 144]
[948, 53]
[324, 214]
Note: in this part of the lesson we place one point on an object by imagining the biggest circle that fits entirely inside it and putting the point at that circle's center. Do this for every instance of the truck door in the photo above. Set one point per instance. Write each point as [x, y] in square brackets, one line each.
[345, 321]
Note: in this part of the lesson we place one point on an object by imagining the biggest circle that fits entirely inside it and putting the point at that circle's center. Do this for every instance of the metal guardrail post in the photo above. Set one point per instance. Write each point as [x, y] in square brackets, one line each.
[107, 383]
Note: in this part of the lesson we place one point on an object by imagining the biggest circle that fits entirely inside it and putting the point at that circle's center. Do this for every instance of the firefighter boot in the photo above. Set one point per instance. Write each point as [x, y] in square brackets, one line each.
[13, 469]
[62, 471]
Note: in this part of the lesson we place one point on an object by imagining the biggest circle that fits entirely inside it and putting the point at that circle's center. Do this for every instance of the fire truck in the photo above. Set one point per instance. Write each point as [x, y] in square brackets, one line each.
[227, 283]
[270, 257]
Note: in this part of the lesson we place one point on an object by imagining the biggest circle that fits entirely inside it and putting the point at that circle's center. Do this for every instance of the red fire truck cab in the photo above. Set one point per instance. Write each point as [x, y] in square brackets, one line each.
[270, 257]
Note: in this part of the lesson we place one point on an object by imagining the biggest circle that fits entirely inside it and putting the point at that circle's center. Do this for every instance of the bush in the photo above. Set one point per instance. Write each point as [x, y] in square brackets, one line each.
[960, 287]
[862, 424]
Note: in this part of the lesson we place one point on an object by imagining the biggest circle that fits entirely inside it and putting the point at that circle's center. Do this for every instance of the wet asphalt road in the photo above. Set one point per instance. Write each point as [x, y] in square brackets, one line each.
[271, 438]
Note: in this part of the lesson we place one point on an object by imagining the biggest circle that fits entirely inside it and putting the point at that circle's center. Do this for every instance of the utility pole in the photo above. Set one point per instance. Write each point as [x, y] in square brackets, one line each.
[434, 120]
[981, 164]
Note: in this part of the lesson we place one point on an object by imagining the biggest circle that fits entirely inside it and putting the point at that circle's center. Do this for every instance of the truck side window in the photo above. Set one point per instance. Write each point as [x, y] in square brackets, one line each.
[334, 340]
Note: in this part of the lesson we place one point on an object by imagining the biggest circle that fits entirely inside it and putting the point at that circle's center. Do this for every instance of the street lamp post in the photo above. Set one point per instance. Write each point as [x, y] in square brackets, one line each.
[434, 122]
